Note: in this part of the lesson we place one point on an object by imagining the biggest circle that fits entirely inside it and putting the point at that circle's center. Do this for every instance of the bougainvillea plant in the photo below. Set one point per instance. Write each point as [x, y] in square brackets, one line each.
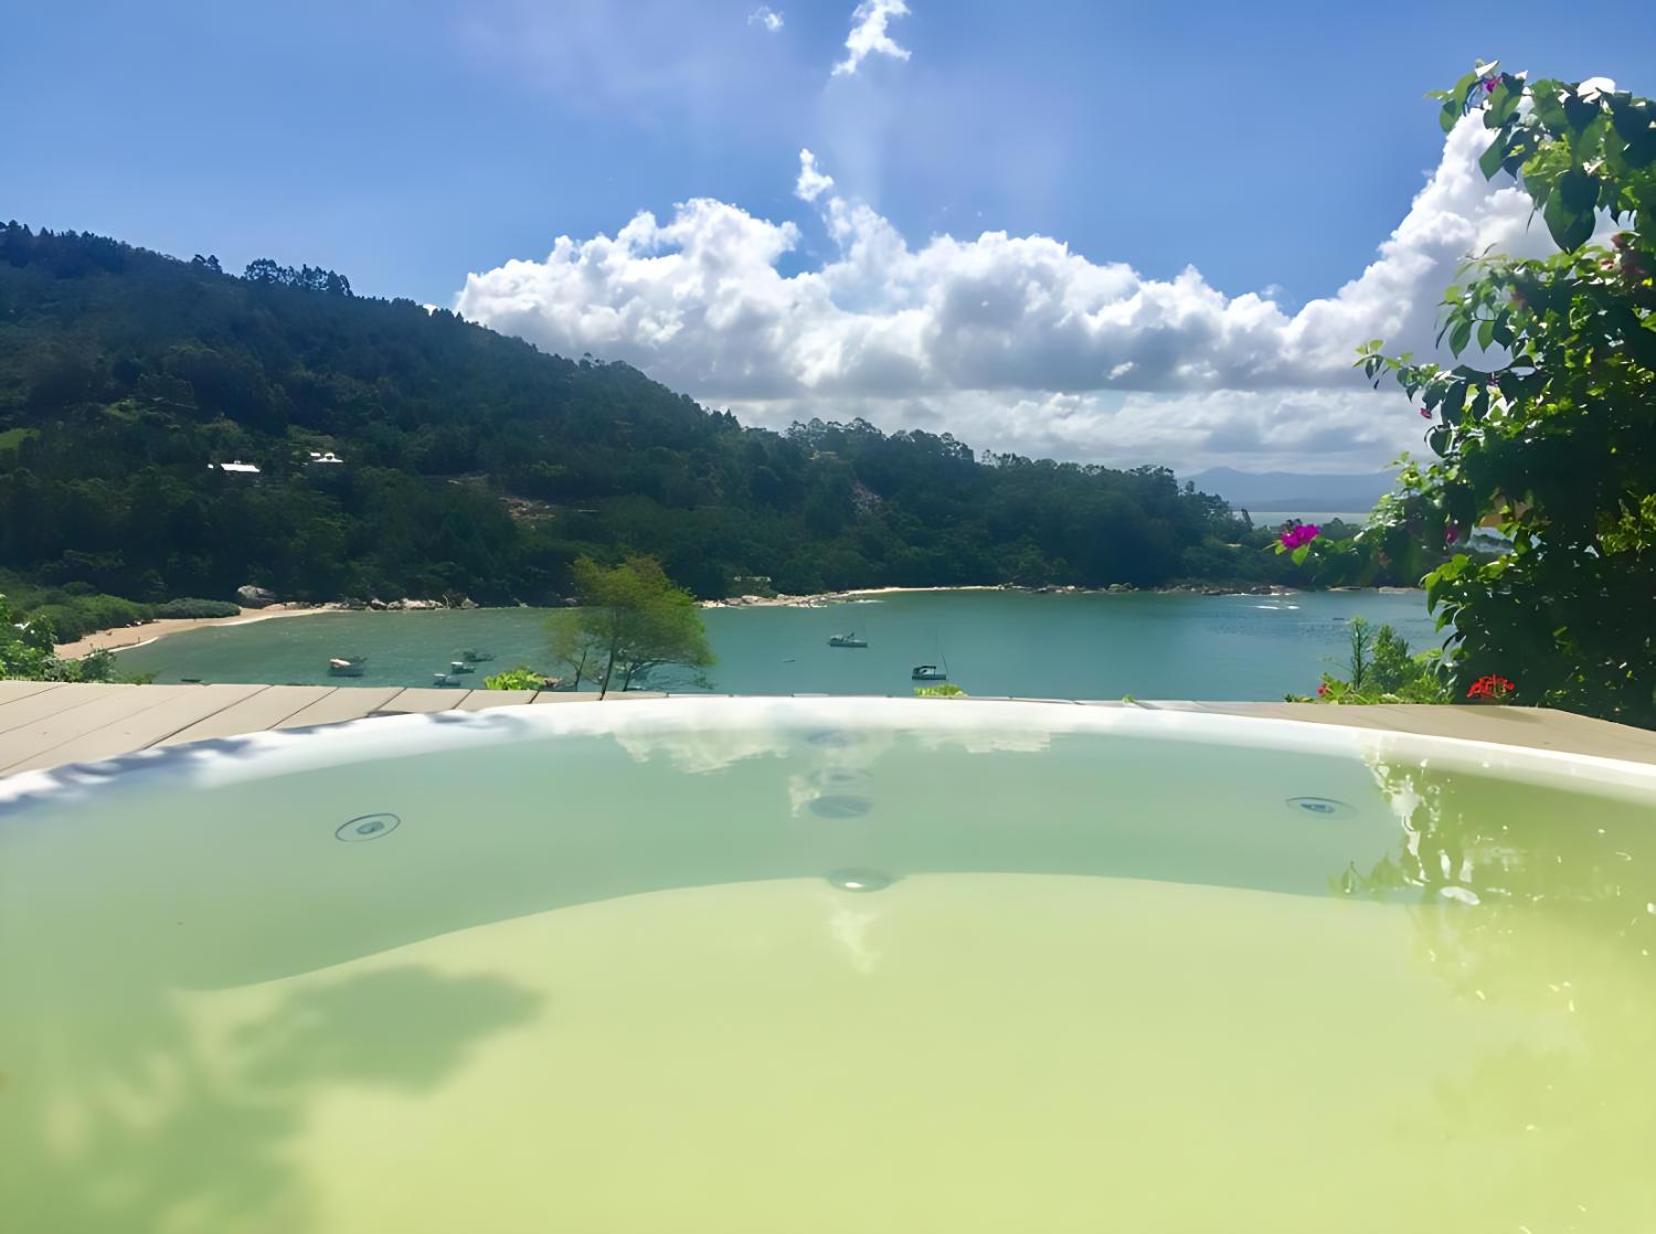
[1545, 429]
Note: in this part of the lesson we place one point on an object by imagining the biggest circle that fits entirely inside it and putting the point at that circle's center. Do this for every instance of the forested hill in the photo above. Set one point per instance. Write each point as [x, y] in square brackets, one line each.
[474, 464]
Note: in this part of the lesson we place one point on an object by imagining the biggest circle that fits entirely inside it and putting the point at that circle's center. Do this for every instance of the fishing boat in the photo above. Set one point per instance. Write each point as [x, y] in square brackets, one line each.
[928, 672]
[476, 657]
[444, 679]
[347, 666]
[847, 640]
[460, 666]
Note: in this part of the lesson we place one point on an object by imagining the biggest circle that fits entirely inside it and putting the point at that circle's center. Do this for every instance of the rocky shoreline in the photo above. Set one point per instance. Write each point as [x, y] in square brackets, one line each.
[826, 598]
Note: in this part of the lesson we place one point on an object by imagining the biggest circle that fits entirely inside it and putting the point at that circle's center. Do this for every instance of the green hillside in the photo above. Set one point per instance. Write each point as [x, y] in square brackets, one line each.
[475, 465]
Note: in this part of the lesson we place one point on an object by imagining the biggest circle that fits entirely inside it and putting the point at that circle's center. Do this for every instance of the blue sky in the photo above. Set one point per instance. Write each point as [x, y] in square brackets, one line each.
[1271, 148]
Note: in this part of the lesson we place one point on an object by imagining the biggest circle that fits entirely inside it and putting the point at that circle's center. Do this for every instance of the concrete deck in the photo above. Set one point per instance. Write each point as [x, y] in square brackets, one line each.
[48, 724]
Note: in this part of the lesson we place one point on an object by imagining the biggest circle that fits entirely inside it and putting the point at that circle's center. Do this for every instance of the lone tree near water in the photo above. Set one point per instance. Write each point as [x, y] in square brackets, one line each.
[632, 621]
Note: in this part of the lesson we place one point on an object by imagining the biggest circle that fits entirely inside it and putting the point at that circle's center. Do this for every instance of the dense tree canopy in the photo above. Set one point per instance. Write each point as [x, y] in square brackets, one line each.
[474, 464]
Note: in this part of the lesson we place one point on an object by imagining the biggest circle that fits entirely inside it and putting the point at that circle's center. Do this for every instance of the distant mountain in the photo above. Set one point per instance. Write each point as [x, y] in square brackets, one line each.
[1292, 491]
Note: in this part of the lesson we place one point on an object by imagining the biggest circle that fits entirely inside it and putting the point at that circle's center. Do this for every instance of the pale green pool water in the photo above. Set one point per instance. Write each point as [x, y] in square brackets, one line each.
[994, 643]
[1104, 971]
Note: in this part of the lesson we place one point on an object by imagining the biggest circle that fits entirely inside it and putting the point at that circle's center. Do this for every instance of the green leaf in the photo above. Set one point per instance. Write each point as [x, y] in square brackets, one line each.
[1548, 106]
[1486, 333]
[1578, 112]
[1453, 401]
[1459, 334]
[1578, 189]
[1570, 228]
[1632, 118]
[1503, 103]
[1491, 160]
[1455, 101]
[1480, 403]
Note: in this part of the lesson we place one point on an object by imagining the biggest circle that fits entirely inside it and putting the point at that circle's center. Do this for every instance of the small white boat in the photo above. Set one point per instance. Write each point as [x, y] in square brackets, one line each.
[928, 672]
[847, 640]
[347, 666]
[444, 679]
[460, 666]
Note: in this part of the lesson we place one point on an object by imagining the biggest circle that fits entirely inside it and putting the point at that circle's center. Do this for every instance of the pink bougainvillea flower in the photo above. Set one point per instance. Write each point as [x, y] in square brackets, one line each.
[1489, 84]
[1298, 534]
[1425, 413]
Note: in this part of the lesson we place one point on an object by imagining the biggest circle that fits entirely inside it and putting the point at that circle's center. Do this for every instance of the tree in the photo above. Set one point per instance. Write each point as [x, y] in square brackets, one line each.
[631, 620]
[26, 651]
[1551, 437]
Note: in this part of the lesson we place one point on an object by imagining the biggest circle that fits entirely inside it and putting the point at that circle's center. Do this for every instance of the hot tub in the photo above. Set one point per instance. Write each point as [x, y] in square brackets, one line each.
[741, 966]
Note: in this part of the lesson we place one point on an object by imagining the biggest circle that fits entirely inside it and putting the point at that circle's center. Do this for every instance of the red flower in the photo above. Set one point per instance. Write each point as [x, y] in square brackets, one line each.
[1322, 690]
[1491, 686]
[1425, 413]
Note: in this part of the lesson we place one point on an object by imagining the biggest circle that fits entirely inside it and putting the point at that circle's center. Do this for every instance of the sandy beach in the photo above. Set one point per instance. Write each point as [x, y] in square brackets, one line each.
[123, 637]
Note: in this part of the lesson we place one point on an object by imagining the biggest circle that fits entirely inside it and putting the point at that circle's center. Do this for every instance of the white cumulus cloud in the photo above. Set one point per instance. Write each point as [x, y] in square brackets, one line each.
[812, 182]
[1011, 342]
[870, 34]
[767, 17]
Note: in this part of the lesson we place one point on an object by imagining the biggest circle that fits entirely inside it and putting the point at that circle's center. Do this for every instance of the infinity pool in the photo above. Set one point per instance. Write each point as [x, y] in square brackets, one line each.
[766, 966]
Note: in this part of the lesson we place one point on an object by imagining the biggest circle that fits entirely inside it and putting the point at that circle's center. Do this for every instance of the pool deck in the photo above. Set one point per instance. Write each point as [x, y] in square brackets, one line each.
[48, 724]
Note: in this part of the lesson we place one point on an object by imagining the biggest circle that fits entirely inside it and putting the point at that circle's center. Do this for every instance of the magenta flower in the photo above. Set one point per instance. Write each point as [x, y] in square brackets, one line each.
[1425, 413]
[1489, 84]
[1451, 533]
[1299, 534]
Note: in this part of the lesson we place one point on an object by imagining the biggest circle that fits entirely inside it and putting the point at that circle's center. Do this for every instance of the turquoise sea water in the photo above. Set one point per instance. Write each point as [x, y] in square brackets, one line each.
[992, 643]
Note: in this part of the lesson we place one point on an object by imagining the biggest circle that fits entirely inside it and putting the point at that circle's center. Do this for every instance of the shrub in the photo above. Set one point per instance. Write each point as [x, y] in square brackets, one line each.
[1381, 669]
[26, 652]
[74, 617]
[189, 607]
[520, 678]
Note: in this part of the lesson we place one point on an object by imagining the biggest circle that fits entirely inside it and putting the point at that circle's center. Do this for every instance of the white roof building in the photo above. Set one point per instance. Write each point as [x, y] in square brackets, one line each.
[237, 467]
[328, 457]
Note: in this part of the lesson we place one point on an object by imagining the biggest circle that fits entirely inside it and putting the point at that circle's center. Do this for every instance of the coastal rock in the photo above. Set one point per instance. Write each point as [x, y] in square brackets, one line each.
[249, 596]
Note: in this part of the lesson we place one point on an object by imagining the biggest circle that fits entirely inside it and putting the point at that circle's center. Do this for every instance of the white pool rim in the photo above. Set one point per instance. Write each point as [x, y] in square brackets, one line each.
[975, 723]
